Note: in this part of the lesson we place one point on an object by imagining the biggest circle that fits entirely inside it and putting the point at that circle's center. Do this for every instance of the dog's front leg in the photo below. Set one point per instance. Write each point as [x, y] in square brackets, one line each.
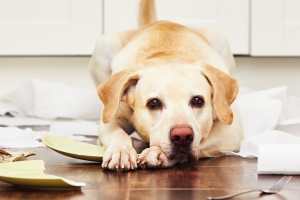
[120, 154]
[154, 157]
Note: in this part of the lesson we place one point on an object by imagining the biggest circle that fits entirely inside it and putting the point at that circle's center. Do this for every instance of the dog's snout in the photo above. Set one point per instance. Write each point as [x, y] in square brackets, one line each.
[182, 136]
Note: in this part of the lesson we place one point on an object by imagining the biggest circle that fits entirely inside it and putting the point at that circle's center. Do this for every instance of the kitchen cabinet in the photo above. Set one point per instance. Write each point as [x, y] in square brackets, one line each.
[49, 27]
[275, 28]
[71, 27]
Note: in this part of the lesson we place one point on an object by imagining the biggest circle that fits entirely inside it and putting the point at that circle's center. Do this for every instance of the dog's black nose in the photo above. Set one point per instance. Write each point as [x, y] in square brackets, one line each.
[182, 136]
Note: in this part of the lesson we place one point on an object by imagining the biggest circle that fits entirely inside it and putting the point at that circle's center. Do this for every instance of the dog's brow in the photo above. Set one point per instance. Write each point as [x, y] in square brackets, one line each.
[153, 95]
[197, 93]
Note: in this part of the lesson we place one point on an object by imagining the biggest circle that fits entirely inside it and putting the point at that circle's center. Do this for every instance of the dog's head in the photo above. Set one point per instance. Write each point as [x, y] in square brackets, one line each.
[174, 106]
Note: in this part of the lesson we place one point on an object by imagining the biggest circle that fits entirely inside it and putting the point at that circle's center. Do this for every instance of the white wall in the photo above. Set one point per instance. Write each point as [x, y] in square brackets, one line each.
[255, 73]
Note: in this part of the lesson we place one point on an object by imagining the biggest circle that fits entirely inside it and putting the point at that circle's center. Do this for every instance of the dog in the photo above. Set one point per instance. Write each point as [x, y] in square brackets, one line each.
[172, 85]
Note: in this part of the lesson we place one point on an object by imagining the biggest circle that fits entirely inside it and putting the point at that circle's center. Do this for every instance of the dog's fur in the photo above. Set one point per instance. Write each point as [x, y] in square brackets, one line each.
[171, 84]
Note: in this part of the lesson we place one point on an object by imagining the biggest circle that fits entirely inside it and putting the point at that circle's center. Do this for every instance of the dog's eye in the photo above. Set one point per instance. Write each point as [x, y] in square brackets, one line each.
[197, 102]
[154, 104]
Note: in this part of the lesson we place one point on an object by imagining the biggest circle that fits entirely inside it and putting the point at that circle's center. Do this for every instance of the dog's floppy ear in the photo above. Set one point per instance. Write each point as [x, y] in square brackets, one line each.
[112, 91]
[225, 89]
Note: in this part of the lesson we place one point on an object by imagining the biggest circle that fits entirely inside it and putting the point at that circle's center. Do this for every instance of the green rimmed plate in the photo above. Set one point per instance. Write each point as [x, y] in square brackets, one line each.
[31, 174]
[74, 149]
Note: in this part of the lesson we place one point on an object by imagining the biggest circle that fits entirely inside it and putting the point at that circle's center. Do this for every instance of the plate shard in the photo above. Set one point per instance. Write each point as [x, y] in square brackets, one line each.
[74, 149]
[31, 174]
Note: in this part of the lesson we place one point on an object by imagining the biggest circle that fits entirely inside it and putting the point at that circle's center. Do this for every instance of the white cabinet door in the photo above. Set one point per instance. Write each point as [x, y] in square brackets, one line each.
[275, 28]
[230, 16]
[49, 27]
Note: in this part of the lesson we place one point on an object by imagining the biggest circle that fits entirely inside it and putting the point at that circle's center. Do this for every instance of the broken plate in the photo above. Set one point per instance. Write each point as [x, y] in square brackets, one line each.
[74, 149]
[31, 174]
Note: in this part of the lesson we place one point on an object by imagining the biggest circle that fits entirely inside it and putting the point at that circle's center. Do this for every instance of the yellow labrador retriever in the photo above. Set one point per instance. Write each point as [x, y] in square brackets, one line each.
[171, 84]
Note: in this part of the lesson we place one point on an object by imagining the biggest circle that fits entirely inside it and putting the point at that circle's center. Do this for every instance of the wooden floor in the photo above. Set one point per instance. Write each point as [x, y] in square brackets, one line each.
[198, 180]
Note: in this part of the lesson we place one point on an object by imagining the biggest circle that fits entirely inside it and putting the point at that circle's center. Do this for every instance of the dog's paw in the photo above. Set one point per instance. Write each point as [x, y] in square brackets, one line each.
[154, 157]
[120, 158]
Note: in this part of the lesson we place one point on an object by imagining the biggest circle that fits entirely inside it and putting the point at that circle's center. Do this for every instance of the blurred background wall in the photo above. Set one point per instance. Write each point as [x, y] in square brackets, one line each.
[53, 40]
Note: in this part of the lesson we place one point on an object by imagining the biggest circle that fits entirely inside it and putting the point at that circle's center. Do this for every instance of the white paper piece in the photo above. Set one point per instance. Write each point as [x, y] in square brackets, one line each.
[24, 121]
[276, 93]
[78, 127]
[259, 115]
[269, 117]
[291, 111]
[135, 135]
[61, 127]
[293, 129]
[13, 137]
[7, 107]
[249, 147]
[49, 100]
[279, 159]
